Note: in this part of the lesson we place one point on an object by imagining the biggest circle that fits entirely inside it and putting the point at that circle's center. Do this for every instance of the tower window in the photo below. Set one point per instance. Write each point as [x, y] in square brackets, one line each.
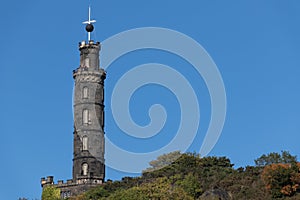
[85, 117]
[85, 169]
[85, 93]
[87, 62]
[85, 143]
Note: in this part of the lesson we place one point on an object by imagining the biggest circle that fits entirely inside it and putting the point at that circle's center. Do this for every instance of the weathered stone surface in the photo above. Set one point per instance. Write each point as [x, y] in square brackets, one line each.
[215, 194]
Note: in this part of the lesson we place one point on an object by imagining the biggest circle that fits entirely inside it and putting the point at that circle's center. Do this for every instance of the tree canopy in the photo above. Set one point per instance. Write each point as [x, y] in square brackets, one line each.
[192, 177]
[274, 158]
[51, 193]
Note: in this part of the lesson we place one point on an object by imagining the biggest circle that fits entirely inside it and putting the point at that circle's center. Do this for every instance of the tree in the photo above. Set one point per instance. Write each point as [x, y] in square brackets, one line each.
[159, 189]
[163, 161]
[281, 179]
[192, 177]
[129, 194]
[191, 185]
[96, 193]
[51, 193]
[274, 158]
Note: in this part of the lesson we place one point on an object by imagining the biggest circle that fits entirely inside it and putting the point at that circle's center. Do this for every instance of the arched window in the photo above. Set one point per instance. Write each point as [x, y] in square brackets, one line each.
[85, 143]
[85, 169]
[85, 93]
[85, 117]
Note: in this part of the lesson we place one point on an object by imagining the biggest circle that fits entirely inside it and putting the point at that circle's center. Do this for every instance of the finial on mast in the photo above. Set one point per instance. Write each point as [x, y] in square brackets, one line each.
[89, 25]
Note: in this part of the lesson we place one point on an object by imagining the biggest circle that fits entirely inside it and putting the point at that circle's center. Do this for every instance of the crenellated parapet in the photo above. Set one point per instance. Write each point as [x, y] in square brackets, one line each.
[71, 187]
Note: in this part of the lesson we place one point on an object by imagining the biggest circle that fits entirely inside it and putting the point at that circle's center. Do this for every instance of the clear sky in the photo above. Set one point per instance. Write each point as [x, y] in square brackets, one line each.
[255, 44]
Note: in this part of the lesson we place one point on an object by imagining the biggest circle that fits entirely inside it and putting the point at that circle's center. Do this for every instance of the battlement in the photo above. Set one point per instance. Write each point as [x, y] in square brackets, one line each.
[71, 187]
[50, 181]
[91, 44]
[47, 181]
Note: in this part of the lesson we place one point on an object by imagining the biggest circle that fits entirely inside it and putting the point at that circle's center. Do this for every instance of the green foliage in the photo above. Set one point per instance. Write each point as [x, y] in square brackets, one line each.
[191, 185]
[275, 158]
[96, 193]
[132, 193]
[160, 189]
[192, 177]
[51, 193]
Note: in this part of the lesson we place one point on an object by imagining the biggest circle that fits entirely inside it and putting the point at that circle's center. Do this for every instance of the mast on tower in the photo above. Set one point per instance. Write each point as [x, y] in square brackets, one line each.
[89, 25]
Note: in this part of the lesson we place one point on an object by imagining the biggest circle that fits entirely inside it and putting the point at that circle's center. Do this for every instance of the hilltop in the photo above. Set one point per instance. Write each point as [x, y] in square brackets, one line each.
[274, 176]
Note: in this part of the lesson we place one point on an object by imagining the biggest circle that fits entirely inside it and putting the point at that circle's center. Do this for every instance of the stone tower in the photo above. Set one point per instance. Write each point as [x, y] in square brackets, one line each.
[88, 161]
[88, 152]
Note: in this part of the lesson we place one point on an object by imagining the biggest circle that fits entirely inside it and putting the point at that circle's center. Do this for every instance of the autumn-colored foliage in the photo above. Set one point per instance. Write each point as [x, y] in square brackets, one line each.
[282, 179]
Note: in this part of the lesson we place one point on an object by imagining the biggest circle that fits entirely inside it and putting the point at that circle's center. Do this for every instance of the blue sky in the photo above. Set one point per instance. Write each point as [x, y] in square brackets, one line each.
[255, 45]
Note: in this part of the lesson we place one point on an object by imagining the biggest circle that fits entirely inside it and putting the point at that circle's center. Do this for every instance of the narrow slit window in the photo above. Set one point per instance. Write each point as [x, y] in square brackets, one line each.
[85, 143]
[85, 92]
[85, 116]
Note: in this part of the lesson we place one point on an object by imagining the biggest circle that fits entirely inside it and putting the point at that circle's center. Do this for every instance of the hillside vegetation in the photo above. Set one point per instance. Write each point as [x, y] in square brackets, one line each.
[274, 176]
